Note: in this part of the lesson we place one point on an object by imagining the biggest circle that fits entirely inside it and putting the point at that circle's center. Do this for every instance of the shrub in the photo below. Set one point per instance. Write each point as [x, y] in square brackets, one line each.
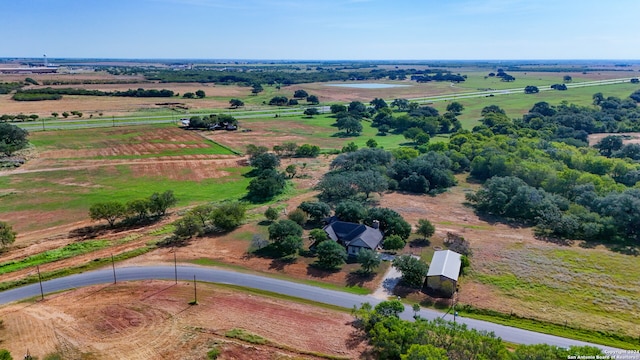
[298, 216]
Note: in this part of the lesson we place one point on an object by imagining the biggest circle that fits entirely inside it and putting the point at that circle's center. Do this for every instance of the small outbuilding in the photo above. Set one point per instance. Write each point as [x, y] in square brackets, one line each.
[444, 269]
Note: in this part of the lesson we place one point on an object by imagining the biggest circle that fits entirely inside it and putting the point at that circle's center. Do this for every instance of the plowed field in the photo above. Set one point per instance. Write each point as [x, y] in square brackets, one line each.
[152, 320]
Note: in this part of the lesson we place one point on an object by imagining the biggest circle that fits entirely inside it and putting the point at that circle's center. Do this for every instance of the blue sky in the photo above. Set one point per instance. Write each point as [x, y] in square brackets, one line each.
[322, 29]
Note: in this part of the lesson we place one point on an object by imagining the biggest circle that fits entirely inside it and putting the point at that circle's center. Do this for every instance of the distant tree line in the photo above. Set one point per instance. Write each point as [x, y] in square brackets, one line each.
[56, 94]
[19, 117]
[247, 77]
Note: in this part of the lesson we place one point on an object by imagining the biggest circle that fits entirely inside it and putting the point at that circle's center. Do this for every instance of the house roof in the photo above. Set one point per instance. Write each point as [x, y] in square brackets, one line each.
[445, 263]
[352, 234]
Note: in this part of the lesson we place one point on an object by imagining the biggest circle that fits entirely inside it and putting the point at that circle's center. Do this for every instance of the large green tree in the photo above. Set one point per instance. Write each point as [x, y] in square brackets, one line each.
[317, 210]
[369, 260]
[12, 138]
[110, 211]
[425, 228]
[351, 211]
[350, 125]
[280, 229]
[391, 223]
[413, 270]
[331, 255]
[229, 216]
[159, 203]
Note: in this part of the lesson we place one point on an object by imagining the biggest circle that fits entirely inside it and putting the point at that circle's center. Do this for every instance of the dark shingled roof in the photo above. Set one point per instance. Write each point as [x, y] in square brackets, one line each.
[351, 234]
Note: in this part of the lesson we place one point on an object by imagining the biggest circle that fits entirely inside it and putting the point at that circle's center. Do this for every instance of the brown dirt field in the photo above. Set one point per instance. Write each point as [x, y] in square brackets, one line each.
[270, 134]
[345, 94]
[94, 105]
[152, 320]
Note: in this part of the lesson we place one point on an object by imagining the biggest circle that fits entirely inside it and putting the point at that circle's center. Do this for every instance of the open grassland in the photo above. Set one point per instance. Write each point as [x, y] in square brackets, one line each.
[576, 287]
[319, 130]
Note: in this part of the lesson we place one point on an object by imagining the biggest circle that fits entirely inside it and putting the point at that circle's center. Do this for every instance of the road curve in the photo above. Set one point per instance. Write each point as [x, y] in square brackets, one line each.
[220, 276]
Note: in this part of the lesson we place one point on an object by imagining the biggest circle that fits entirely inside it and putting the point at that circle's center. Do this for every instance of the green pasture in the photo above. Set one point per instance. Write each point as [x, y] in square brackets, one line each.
[69, 192]
[582, 288]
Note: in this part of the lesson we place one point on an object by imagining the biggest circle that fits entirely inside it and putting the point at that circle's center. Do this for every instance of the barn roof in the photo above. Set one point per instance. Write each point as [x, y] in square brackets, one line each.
[445, 263]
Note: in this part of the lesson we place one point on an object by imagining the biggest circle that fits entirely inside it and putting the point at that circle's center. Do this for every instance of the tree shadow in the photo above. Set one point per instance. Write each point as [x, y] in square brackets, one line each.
[281, 263]
[89, 232]
[403, 291]
[356, 338]
[343, 134]
[359, 278]
[420, 242]
[555, 240]
[174, 241]
[316, 271]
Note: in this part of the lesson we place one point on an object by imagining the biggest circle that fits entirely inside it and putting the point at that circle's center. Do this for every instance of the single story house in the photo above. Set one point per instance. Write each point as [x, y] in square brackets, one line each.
[354, 236]
[444, 269]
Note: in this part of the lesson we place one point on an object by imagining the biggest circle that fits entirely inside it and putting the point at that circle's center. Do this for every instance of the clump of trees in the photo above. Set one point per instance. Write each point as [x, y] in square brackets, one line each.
[291, 149]
[393, 338]
[56, 93]
[213, 122]
[267, 181]
[134, 211]
[12, 139]
[209, 218]
[538, 170]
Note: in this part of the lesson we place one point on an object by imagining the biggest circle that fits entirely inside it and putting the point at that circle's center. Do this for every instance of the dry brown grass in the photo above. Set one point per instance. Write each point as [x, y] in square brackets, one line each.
[152, 320]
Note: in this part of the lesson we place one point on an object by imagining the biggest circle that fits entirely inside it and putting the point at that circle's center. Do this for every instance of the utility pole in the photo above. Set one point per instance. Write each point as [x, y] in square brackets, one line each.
[195, 291]
[40, 280]
[175, 266]
[113, 264]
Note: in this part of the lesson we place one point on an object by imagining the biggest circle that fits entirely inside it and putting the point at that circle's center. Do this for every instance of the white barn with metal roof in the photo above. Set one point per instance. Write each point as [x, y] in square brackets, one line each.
[444, 269]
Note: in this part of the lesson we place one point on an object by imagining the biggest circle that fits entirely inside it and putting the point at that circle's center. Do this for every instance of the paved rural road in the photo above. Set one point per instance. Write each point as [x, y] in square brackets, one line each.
[213, 275]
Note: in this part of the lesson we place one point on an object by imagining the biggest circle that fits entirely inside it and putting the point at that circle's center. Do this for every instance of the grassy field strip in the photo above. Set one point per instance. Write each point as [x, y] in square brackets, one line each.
[349, 289]
[91, 265]
[473, 94]
[71, 250]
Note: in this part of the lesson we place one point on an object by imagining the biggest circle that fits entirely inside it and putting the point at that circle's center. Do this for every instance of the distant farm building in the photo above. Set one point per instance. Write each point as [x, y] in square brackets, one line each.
[354, 237]
[444, 269]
